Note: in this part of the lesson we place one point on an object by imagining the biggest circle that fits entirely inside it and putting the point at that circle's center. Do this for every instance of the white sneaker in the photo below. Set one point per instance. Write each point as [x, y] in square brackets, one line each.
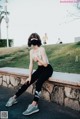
[31, 109]
[11, 101]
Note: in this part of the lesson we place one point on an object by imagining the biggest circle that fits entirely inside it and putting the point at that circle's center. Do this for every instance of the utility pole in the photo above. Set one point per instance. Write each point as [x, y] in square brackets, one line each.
[1, 18]
[7, 20]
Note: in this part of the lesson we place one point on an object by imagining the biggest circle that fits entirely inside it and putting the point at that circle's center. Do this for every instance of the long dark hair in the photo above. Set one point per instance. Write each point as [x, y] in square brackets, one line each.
[35, 36]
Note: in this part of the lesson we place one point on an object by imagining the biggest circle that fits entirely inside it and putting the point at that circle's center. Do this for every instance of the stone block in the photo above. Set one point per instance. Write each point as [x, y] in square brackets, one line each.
[10, 86]
[23, 81]
[14, 81]
[72, 93]
[72, 104]
[4, 78]
[58, 95]
[45, 94]
[0, 81]
[1, 76]
[79, 97]
[33, 91]
[4, 84]
[7, 80]
[30, 89]
[48, 86]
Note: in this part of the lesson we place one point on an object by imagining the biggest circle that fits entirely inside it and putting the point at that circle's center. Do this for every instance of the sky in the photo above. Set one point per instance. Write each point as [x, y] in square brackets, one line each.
[58, 20]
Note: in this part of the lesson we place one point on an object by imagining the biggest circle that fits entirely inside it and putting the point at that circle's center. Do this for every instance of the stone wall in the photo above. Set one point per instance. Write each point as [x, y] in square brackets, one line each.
[62, 94]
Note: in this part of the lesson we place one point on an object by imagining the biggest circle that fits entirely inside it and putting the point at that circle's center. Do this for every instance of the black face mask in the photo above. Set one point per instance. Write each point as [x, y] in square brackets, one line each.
[34, 42]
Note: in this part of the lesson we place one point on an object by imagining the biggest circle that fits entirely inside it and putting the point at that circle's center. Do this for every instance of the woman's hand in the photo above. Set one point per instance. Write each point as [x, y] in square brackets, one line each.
[36, 58]
[28, 80]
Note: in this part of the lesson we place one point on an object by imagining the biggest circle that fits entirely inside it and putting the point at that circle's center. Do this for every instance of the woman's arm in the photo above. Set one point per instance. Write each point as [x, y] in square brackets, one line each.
[31, 64]
[30, 67]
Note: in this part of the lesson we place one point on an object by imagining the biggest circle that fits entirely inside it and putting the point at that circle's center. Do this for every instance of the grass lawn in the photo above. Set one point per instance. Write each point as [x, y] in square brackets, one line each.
[63, 57]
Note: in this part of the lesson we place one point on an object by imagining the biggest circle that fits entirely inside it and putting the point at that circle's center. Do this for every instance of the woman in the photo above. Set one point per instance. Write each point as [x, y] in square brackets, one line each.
[42, 73]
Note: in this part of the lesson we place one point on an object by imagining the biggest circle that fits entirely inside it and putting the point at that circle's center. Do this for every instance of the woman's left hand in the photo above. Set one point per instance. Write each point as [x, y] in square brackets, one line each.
[36, 58]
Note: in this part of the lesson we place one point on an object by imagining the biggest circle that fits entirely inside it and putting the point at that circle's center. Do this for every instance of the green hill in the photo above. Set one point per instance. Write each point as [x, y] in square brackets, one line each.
[63, 57]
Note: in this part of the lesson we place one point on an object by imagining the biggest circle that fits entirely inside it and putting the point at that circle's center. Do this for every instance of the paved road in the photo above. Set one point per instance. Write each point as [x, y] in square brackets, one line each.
[48, 110]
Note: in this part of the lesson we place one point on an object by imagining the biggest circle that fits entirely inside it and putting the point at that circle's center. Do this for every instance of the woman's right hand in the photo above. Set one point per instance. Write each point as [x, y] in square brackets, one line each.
[28, 79]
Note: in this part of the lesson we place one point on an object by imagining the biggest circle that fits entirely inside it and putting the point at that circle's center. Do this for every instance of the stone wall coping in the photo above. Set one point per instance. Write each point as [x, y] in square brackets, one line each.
[58, 77]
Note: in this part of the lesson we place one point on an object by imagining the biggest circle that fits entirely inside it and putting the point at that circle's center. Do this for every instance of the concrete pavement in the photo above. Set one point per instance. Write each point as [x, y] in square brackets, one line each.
[48, 110]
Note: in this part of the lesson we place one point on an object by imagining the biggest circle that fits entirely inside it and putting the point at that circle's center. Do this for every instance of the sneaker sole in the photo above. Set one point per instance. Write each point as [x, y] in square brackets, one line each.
[31, 112]
[12, 104]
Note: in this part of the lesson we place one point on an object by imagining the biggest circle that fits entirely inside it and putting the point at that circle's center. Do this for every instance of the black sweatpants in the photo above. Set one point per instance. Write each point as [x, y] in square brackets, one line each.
[40, 76]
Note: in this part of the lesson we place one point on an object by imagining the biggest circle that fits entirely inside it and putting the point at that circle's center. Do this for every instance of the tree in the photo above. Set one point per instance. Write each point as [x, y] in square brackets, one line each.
[78, 4]
[1, 18]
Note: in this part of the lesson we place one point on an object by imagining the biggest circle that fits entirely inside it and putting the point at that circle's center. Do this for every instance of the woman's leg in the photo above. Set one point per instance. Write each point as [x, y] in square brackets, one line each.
[43, 75]
[13, 100]
[42, 78]
[26, 85]
[22, 89]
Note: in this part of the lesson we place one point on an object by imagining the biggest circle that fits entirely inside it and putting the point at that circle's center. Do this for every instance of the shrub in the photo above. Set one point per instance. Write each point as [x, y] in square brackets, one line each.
[3, 42]
[78, 43]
